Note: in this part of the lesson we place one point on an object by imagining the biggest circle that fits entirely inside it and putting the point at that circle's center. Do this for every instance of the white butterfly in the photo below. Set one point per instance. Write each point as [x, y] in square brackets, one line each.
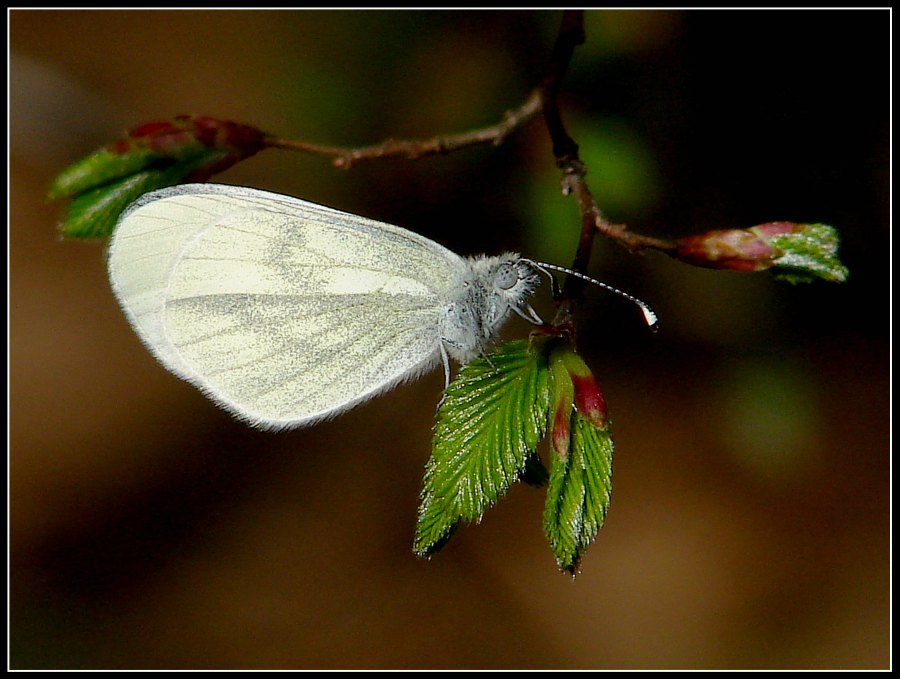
[286, 313]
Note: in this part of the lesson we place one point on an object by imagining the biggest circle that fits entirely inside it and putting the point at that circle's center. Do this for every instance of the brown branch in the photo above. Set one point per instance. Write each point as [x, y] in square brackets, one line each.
[542, 100]
[571, 34]
[413, 149]
[565, 151]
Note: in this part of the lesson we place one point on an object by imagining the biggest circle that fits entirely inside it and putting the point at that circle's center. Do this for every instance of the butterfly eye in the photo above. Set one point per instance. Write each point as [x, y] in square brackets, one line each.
[507, 276]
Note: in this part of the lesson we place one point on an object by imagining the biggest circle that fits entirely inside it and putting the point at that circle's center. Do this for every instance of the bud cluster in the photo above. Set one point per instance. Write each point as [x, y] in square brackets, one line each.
[573, 388]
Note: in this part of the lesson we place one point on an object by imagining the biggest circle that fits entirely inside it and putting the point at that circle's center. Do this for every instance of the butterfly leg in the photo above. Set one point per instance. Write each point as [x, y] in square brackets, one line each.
[446, 360]
[527, 312]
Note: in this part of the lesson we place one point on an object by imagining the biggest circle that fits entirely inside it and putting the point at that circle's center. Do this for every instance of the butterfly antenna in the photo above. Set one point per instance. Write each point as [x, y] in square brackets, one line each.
[649, 315]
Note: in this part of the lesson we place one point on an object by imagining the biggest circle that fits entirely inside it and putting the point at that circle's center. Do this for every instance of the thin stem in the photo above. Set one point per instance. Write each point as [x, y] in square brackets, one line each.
[571, 34]
[565, 151]
[412, 149]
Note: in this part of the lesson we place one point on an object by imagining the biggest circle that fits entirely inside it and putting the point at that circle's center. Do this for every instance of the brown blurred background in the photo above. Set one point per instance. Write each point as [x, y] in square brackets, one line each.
[750, 520]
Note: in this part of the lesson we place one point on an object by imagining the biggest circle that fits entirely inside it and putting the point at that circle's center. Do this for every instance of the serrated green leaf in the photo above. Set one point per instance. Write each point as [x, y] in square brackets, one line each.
[809, 253]
[579, 492]
[488, 427]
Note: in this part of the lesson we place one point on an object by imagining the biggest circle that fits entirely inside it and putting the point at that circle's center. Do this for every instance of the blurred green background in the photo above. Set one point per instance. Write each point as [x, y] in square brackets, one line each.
[750, 519]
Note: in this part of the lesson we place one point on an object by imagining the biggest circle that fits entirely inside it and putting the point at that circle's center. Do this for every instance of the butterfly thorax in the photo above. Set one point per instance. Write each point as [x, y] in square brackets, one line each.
[490, 288]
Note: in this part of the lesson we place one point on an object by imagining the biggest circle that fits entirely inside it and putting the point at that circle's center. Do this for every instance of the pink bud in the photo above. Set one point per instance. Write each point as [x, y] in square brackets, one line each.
[738, 249]
[153, 129]
[574, 388]
[185, 135]
[589, 400]
[226, 135]
[562, 400]
[770, 229]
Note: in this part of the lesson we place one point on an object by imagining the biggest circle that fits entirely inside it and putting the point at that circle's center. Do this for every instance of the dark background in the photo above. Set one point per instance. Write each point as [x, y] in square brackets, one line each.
[750, 518]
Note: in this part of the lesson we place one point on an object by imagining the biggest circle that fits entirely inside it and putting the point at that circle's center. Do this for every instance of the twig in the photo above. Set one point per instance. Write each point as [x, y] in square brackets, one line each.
[565, 150]
[542, 100]
[412, 149]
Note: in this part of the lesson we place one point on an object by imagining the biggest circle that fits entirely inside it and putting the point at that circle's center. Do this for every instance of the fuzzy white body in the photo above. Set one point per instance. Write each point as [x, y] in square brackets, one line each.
[285, 312]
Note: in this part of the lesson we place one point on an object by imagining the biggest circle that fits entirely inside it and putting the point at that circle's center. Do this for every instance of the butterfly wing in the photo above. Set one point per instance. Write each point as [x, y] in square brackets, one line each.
[282, 311]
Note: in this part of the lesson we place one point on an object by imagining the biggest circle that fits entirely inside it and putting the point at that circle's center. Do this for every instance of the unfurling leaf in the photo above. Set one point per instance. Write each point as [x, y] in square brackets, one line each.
[579, 492]
[795, 252]
[580, 483]
[487, 431]
[151, 156]
[809, 253]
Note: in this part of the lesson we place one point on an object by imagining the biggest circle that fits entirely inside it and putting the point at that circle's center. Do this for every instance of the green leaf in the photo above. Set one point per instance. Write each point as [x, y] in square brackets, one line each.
[152, 156]
[579, 492]
[97, 169]
[94, 212]
[488, 427]
[809, 253]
